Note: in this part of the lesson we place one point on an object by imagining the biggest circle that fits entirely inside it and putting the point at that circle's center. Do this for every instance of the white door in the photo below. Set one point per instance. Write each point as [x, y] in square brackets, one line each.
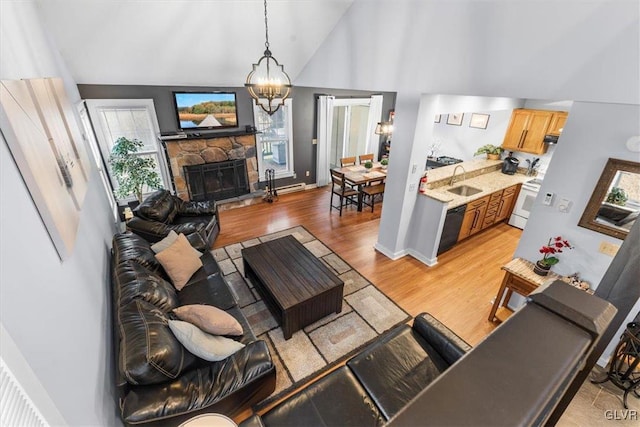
[132, 119]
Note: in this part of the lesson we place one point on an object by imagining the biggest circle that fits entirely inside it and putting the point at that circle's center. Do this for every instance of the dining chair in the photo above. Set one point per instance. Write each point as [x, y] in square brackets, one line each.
[369, 192]
[348, 161]
[365, 157]
[345, 193]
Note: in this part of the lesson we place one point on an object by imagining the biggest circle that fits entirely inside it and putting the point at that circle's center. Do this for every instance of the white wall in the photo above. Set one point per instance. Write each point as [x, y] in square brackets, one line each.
[587, 52]
[55, 312]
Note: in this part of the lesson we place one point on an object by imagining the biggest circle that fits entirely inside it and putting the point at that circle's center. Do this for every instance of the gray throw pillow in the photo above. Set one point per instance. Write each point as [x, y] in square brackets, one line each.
[205, 346]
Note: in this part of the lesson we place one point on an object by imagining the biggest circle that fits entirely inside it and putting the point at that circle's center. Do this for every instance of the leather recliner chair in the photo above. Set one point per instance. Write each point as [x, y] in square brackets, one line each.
[162, 212]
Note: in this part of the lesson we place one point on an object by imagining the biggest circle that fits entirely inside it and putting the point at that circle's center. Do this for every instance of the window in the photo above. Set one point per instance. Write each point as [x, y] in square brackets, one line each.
[274, 143]
[132, 119]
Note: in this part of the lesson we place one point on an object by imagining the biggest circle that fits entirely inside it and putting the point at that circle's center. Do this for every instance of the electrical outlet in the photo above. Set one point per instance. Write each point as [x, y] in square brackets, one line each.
[412, 188]
[607, 248]
[306, 173]
[314, 141]
[295, 175]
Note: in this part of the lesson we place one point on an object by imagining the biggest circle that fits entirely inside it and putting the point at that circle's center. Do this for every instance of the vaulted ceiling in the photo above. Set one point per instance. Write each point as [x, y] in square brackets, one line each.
[184, 42]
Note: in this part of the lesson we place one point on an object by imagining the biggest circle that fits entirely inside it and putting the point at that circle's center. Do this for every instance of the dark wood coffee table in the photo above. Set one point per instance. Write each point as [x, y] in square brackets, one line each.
[296, 286]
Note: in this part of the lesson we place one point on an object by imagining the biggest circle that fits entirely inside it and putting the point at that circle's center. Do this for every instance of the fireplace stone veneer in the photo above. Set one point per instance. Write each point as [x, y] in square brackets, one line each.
[211, 149]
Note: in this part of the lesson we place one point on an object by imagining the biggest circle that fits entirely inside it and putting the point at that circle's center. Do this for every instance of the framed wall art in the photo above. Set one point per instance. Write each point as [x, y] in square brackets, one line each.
[455, 119]
[437, 119]
[479, 121]
[46, 143]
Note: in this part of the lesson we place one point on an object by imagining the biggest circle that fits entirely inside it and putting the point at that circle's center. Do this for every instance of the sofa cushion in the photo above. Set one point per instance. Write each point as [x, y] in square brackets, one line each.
[159, 206]
[209, 318]
[131, 247]
[212, 290]
[149, 351]
[246, 377]
[395, 368]
[209, 347]
[179, 261]
[134, 281]
[336, 399]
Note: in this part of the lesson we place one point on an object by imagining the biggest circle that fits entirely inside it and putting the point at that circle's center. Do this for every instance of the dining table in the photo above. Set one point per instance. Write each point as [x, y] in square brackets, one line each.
[358, 175]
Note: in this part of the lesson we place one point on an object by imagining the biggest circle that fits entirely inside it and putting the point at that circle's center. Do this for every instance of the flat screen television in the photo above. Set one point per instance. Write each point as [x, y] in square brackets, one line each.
[205, 110]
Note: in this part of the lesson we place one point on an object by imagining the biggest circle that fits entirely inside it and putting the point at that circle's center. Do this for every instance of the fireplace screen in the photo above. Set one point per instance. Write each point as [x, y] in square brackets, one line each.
[217, 181]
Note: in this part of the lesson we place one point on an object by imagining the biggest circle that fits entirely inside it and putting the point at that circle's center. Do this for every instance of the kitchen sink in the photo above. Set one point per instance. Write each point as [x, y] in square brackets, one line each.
[464, 190]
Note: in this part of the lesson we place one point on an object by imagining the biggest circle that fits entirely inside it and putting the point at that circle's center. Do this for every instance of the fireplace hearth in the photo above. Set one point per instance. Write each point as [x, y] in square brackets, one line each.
[217, 181]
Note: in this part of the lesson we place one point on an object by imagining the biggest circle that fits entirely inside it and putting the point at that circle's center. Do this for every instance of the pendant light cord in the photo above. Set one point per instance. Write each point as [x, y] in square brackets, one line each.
[266, 26]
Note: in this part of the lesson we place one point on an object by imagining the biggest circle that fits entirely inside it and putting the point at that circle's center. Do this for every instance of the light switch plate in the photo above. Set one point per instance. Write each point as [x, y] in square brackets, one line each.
[564, 205]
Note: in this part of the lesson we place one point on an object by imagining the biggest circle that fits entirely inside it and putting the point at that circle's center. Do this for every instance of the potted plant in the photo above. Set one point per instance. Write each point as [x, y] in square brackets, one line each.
[493, 152]
[133, 172]
[617, 196]
[368, 164]
[384, 163]
[549, 258]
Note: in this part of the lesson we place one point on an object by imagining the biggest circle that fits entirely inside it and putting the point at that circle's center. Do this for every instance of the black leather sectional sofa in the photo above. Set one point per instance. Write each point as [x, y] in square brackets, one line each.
[427, 376]
[375, 384]
[162, 212]
[158, 380]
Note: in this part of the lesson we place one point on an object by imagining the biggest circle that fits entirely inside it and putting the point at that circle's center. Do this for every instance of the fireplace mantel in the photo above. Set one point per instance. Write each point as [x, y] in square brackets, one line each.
[210, 148]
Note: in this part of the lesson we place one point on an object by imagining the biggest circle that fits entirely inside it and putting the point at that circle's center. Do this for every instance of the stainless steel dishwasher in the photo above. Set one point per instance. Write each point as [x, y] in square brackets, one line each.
[451, 228]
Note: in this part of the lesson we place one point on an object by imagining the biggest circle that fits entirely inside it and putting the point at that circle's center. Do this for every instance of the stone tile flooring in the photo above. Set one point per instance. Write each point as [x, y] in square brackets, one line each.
[600, 405]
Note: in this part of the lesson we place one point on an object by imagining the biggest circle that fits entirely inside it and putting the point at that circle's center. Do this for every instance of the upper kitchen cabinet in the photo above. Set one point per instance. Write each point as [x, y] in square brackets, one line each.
[527, 130]
[558, 120]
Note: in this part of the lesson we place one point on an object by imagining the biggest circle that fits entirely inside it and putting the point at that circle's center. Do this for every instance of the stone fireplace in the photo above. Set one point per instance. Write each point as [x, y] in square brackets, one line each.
[219, 154]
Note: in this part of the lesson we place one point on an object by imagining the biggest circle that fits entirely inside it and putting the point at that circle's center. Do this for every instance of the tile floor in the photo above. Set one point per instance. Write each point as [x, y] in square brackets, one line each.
[601, 405]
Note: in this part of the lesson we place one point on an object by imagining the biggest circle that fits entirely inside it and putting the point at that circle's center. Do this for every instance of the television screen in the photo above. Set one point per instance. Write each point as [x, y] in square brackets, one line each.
[206, 110]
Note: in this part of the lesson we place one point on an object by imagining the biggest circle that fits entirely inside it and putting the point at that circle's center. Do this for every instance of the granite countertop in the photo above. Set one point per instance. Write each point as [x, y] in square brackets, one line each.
[482, 174]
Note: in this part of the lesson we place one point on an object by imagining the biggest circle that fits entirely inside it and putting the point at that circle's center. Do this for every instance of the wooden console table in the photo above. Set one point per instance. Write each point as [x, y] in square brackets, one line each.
[518, 277]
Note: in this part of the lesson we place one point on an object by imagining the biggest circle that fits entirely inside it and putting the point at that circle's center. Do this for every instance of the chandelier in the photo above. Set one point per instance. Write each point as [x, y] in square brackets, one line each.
[267, 83]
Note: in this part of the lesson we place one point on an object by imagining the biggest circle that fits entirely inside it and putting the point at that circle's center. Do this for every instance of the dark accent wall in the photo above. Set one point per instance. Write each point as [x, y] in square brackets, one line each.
[304, 114]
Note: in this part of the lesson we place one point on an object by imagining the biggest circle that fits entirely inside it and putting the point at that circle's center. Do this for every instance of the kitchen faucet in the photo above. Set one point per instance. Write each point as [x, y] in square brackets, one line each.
[453, 177]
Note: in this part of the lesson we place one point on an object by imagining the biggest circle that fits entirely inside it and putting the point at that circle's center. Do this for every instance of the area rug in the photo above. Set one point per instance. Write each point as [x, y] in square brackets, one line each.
[366, 314]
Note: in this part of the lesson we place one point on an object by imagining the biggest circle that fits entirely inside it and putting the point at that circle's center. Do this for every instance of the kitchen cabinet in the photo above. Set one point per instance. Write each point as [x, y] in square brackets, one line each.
[507, 200]
[558, 120]
[489, 210]
[492, 209]
[526, 131]
[473, 217]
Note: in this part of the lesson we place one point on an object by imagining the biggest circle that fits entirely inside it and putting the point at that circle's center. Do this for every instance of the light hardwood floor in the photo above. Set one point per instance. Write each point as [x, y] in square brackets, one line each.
[458, 291]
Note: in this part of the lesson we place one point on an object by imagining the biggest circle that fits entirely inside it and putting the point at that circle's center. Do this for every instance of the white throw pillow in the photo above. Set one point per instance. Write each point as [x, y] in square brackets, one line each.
[205, 346]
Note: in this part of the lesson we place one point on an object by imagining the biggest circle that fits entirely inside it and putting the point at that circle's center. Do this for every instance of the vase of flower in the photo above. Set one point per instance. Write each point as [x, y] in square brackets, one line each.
[549, 258]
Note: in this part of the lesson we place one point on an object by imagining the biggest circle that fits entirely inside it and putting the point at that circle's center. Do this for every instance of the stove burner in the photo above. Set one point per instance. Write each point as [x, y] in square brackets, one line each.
[448, 160]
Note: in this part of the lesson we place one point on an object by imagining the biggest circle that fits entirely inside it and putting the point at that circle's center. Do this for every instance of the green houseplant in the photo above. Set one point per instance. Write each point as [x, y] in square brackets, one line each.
[132, 171]
[617, 196]
[368, 164]
[384, 163]
[493, 152]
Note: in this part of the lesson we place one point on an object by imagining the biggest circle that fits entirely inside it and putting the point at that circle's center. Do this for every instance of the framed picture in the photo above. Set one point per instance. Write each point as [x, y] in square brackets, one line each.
[479, 121]
[437, 119]
[455, 119]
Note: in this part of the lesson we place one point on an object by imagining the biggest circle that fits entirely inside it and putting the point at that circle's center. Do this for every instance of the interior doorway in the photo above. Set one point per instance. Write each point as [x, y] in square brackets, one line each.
[350, 136]
[346, 128]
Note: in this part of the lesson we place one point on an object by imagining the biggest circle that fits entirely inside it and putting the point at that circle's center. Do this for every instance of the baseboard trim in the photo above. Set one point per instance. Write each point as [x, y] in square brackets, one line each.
[430, 262]
[389, 253]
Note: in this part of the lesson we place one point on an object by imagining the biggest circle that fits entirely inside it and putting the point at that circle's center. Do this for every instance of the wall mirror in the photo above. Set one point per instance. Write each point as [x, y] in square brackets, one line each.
[615, 202]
